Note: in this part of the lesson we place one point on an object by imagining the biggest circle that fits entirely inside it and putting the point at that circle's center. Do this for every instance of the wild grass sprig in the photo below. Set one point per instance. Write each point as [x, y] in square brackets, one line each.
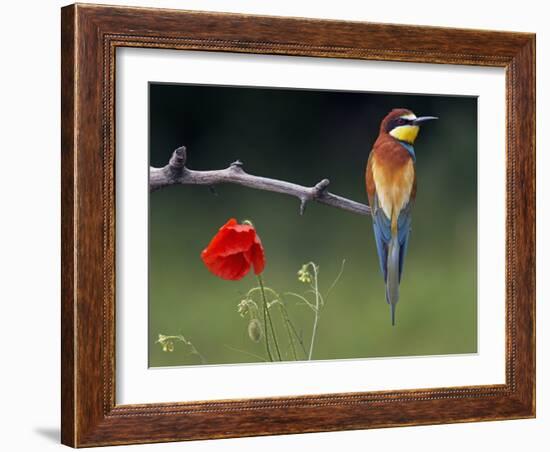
[168, 344]
[309, 275]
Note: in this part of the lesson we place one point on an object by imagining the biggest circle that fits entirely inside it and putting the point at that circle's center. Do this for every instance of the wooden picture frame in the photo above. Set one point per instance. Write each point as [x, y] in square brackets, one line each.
[90, 36]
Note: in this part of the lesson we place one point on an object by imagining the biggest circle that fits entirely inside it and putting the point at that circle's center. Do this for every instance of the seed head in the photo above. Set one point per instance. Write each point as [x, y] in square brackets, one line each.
[304, 275]
[255, 330]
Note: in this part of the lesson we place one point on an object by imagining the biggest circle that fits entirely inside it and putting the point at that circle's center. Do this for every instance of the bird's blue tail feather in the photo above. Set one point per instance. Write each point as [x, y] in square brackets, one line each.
[392, 280]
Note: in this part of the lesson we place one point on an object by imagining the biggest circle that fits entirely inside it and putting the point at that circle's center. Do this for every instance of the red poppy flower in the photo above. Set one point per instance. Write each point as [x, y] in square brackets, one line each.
[233, 250]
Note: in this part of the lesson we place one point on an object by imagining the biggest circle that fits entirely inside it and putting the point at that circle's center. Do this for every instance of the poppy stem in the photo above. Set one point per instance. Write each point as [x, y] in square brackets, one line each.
[268, 314]
[264, 311]
[266, 335]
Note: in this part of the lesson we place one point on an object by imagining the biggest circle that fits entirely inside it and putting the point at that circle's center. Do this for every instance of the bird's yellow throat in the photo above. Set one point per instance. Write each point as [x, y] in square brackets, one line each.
[406, 133]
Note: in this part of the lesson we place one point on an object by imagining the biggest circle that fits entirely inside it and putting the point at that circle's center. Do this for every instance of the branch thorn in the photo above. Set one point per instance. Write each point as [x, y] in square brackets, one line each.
[179, 157]
[320, 188]
[303, 202]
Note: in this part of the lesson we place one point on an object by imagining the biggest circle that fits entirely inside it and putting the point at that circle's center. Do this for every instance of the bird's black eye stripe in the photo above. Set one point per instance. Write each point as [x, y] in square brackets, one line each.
[400, 122]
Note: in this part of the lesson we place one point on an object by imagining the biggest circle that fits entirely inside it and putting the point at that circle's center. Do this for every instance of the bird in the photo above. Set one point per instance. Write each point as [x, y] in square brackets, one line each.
[391, 189]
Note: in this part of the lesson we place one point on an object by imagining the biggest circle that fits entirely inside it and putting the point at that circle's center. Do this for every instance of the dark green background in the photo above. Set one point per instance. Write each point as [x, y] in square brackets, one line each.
[303, 136]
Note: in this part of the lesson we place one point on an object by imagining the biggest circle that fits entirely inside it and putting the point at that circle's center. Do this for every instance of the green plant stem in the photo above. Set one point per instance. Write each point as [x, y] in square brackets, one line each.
[199, 354]
[298, 337]
[286, 321]
[266, 311]
[266, 335]
[317, 309]
[245, 352]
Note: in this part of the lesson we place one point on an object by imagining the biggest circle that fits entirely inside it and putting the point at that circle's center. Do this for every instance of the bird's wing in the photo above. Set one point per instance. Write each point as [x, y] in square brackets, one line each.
[404, 222]
[382, 234]
[404, 229]
[369, 178]
[381, 223]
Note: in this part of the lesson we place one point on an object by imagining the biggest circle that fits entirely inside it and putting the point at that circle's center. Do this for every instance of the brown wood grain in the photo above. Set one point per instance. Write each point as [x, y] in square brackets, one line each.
[67, 227]
[90, 36]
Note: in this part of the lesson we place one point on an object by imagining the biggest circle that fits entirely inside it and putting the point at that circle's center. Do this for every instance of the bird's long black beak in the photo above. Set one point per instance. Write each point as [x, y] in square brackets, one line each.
[422, 119]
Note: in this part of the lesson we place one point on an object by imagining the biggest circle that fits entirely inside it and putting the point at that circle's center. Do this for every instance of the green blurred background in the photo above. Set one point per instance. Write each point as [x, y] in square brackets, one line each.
[303, 136]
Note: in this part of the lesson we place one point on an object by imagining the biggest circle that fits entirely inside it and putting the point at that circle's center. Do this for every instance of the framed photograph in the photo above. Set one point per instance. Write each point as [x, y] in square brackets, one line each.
[282, 225]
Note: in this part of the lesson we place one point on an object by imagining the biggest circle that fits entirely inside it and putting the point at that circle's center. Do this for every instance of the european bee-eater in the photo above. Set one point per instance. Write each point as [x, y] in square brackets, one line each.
[391, 189]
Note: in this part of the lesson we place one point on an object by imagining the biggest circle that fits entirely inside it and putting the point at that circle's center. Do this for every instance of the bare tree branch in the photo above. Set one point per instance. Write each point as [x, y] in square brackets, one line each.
[177, 173]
